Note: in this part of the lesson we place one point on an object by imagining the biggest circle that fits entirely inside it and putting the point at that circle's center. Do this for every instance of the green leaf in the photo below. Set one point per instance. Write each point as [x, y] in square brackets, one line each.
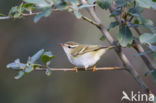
[154, 0]
[104, 4]
[148, 22]
[121, 3]
[78, 14]
[91, 1]
[40, 3]
[113, 24]
[147, 38]
[146, 3]
[14, 12]
[17, 15]
[45, 13]
[136, 10]
[36, 56]
[19, 75]
[47, 57]
[61, 6]
[85, 6]
[29, 69]
[116, 12]
[29, 6]
[16, 65]
[36, 65]
[76, 11]
[125, 36]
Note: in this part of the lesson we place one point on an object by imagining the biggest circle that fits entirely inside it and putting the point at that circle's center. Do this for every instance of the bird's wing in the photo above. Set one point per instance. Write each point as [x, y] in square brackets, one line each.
[84, 49]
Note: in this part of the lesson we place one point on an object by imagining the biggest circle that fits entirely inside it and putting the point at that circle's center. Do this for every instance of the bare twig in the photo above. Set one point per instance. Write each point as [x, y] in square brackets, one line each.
[122, 56]
[90, 21]
[82, 69]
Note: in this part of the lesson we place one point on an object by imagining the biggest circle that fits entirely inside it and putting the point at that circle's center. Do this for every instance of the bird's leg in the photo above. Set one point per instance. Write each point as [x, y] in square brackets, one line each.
[76, 69]
[94, 68]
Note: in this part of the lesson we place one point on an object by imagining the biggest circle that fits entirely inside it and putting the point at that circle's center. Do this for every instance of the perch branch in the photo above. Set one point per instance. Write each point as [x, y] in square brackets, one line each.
[82, 69]
[122, 56]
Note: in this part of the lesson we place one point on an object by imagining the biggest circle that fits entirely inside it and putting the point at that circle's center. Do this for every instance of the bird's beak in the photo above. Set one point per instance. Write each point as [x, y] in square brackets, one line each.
[61, 44]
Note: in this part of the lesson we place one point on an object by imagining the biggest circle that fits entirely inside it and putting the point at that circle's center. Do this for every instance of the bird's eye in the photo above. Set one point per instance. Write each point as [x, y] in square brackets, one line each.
[69, 46]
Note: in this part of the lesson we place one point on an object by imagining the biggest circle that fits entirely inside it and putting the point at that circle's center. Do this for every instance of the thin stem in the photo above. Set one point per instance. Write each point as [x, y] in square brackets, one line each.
[4, 17]
[90, 21]
[82, 69]
[144, 57]
[24, 14]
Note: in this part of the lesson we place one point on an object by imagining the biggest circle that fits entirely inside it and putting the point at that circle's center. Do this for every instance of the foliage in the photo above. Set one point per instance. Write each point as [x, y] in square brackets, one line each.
[129, 13]
[31, 64]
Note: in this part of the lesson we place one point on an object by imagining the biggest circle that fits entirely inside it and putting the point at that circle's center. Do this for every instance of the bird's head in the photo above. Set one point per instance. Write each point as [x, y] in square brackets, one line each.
[69, 46]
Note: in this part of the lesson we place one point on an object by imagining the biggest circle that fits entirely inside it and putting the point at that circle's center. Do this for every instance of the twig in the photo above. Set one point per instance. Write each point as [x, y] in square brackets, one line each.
[24, 14]
[4, 17]
[30, 14]
[137, 30]
[82, 69]
[122, 56]
[9, 17]
[144, 57]
[90, 21]
[140, 49]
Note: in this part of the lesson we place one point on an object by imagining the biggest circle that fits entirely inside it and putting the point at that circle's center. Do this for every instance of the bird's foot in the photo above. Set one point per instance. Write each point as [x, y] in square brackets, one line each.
[76, 69]
[94, 68]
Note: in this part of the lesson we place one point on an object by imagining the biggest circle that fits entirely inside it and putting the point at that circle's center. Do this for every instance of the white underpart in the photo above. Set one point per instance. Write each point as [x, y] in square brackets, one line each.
[86, 60]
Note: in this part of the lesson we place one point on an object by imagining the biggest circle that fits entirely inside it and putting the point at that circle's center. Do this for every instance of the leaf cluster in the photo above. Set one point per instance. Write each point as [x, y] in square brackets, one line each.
[31, 64]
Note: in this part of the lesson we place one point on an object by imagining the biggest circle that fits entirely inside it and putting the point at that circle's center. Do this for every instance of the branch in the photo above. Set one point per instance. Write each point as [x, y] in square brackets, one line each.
[9, 17]
[122, 56]
[4, 17]
[144, 57]
[82, 69]
[91, 21]
[23, 15]
[139, 48]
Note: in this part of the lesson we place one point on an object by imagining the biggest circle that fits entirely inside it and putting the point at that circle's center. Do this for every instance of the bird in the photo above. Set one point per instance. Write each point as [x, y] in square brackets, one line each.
[84, 55]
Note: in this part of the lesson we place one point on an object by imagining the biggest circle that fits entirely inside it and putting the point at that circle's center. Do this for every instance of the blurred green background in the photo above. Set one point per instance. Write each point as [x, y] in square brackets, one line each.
[22, 38]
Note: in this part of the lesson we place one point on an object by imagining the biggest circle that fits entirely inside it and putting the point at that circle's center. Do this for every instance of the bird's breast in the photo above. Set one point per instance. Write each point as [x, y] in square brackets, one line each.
[86, 60]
